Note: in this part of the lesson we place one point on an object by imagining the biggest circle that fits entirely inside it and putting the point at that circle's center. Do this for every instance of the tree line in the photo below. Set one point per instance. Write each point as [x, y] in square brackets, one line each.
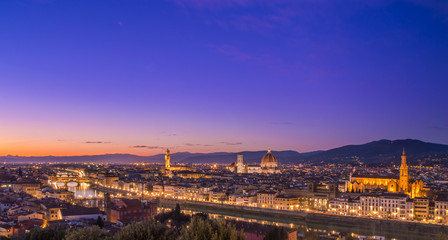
[183, 227]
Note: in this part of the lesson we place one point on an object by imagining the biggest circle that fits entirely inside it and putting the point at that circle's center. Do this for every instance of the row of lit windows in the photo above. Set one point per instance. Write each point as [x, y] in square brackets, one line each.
[135, 211]
[441, 206]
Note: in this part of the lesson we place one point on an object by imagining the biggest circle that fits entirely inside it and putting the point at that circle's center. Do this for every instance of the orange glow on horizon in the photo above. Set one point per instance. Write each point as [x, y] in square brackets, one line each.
[42, 149]
[46, 149]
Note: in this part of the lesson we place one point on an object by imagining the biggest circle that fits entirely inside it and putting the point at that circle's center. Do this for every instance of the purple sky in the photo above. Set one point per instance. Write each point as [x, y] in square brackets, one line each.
[92, 77]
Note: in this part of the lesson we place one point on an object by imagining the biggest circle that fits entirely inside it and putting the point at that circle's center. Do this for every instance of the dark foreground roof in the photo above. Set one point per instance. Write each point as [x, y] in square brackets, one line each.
[80, 211]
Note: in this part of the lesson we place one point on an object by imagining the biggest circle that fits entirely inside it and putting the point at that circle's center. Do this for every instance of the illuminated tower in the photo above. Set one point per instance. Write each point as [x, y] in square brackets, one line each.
[107, 205]
[167, 159]
[404, 176]
[239, 164]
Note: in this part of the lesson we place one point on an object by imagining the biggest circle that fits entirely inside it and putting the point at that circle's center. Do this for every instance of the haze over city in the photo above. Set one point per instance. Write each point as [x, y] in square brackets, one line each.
[206, 76]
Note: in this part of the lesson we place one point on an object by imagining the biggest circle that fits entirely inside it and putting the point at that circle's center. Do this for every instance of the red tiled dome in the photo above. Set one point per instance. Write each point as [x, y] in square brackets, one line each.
[268, 158]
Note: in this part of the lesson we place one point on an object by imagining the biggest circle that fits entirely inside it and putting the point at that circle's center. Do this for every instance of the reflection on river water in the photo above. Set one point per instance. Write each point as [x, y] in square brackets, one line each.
[325, 230]
[243, 219]
[302, 228]
[84, 191]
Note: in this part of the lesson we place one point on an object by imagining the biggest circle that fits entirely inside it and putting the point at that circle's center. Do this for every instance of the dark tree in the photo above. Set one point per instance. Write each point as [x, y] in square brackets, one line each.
[52, 232]
[92, 233]
[100, 222]
[177, 209]
[203, 216]
[163, 217]
[276, 234]
[175, 217]
[178, 218]
[200, 229]
[151, 230]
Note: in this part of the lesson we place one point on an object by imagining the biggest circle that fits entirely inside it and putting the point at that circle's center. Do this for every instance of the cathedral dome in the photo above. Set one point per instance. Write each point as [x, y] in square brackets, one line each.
[268, 159]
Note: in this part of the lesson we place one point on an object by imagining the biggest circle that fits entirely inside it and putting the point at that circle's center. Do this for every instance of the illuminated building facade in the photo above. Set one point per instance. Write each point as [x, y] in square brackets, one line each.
[382, 205]
[269, 164]
[395, 184]
[168, 168]
[441, 209]
[265, 199]
[132, 209]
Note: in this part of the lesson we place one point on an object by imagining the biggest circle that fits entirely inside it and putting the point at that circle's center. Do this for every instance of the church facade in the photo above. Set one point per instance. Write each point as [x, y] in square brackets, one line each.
[269, 164]
[396, 184]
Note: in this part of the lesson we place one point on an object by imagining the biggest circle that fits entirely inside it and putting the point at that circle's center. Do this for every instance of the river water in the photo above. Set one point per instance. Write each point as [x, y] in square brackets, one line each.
[324, 230]
[327, 230]
[84, 191]
[301, 228]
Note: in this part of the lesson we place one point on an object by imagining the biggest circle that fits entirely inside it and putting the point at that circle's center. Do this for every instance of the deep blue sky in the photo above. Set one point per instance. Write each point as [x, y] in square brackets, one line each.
[86, 77]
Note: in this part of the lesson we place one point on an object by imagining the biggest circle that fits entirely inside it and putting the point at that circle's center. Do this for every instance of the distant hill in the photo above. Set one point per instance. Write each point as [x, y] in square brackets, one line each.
[104, 158]
[372, 152]
[379, 151]
[283, 157]
[111, 158]
[180, 157]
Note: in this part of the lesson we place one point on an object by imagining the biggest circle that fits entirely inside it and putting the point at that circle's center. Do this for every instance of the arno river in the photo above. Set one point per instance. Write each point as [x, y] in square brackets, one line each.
[85, 192]
[325, 229]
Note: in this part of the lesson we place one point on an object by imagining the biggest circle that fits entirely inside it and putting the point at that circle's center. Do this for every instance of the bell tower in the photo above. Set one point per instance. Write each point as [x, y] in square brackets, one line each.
[404, 176]
[239, 164]
[167, 159]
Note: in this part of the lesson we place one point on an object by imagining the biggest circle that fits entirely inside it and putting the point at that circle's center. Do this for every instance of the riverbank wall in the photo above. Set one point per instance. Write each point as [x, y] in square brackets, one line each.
[369, 226]
[359, 225]
[233, 209]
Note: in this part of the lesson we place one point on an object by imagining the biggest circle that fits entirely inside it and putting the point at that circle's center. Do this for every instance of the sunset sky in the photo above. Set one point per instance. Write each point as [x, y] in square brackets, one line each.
[116, 76]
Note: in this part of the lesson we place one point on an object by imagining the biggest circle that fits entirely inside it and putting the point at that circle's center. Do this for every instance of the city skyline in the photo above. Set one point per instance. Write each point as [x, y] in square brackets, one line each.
[208, 76]
[223, 119]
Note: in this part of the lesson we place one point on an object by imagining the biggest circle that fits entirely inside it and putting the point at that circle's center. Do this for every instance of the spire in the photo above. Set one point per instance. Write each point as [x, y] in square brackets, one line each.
[403, 158]
[269, 150]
